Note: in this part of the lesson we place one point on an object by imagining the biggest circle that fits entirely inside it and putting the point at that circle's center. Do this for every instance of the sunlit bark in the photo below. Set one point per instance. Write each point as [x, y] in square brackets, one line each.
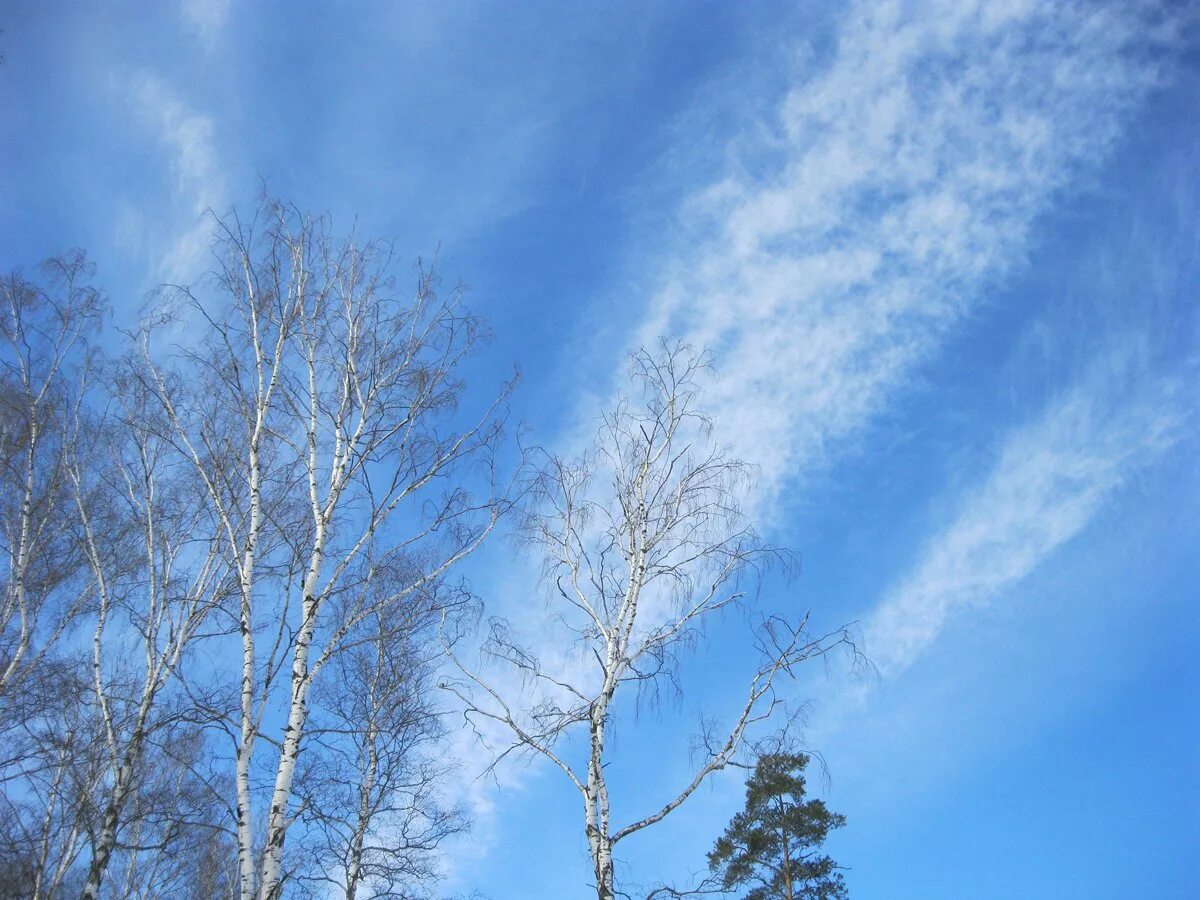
[643, 539]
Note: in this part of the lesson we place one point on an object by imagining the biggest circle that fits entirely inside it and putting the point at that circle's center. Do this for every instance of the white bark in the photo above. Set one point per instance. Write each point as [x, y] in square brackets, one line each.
[19, 564]
[242, 529]
[164, 601]
[362, 820]
[103, 848]
[278, 820]
[636, 571]
[42, 364]
[337, 392]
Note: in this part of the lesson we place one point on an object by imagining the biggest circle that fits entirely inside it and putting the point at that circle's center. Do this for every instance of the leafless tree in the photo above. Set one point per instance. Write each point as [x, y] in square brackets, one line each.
[374, 816]
[157, 573]
[643, 539]
[44, 329]
[103, 527]
[52, 771]
[177, 843]
[48, 765]
[320, 412]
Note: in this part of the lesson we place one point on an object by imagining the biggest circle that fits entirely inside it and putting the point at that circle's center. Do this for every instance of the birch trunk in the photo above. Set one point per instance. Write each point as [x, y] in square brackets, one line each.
[20, 565]
[122, 787]
[603, 868]
[175, 603]
[102, 852]
[319, 373]
[643, 539]
[599, 839]
[248, 725]
[278, 819]
[363, 822]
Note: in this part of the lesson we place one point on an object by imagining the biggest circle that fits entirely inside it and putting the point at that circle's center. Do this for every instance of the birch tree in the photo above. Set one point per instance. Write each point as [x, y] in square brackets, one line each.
[374, 814]
[45, 324]
[99, 529]
[47, 767]
[52, 772]
[157, 574]
[321, 413]
[643, 541]
[176, 843]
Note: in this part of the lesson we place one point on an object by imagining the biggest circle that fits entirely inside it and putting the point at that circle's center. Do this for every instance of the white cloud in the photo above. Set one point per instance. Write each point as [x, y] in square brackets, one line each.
[903, 178]
[1050, 480]
[206, 18]
[913, 166]
[198, 184]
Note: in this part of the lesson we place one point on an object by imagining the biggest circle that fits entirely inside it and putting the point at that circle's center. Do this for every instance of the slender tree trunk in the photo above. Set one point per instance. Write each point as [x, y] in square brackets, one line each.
[277, 820]
[605, 889]
[600, 846]
[102, 853]
[599, 840]
[21, 565]
[598, 832]
[354, 863]
[245, 749]
[787, 853]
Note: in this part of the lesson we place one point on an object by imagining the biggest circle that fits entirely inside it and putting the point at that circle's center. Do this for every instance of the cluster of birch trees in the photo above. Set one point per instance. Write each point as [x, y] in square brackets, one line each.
[229, 588]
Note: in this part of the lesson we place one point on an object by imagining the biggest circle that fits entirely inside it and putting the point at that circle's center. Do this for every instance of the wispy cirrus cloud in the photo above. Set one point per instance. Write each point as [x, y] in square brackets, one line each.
[908, 173]
[891, 186]
[867, 218]
[1052, 476]
[196, 178]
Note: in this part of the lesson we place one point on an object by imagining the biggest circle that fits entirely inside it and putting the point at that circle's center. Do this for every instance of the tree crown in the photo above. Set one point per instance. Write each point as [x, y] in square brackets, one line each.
[773, 845]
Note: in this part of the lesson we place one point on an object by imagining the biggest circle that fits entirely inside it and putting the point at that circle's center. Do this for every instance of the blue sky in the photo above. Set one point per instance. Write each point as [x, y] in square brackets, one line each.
[946, 257]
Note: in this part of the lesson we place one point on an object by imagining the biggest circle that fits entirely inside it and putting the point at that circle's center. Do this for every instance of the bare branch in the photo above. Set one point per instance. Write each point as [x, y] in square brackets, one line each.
[642, 539]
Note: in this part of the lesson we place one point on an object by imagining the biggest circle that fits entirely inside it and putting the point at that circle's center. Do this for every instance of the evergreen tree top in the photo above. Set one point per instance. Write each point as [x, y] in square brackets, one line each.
[772, 847]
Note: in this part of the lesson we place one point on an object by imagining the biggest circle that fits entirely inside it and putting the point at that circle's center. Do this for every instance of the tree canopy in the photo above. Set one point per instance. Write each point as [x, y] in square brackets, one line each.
[773, 846]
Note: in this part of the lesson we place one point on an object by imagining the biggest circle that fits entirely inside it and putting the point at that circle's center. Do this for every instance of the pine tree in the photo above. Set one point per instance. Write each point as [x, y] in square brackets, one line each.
[774, 844]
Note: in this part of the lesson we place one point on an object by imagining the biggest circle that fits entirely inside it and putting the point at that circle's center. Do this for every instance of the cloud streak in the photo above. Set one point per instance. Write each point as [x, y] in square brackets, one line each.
[198, 183]
[892, 185]
[1051, 478]
[910, 170]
